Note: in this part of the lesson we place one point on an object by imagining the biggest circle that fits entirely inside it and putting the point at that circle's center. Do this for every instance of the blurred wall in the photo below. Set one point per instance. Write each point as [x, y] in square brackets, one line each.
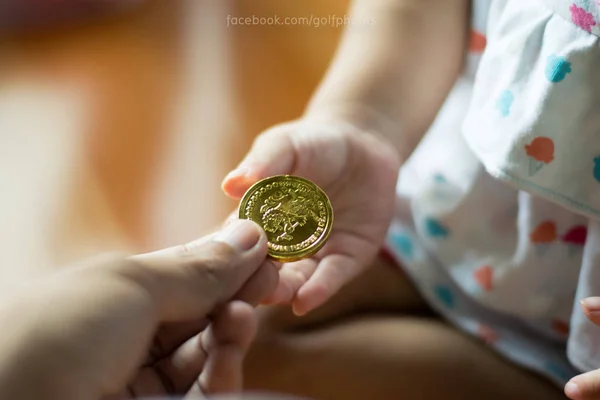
[116, 133]
[278, 67]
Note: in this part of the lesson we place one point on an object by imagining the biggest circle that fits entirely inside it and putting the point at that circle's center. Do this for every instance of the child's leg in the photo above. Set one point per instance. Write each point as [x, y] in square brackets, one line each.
[389, 358]
[407, 352]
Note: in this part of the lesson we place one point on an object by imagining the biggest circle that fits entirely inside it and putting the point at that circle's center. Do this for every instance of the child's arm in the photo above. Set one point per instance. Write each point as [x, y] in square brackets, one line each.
[396, 64]
[390, 76]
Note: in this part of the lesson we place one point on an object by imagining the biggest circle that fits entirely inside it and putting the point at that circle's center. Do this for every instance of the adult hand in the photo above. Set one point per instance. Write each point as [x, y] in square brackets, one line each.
[133, 327]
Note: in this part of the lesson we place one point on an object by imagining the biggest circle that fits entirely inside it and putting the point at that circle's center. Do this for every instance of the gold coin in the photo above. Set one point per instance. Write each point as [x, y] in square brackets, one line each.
[294, 212]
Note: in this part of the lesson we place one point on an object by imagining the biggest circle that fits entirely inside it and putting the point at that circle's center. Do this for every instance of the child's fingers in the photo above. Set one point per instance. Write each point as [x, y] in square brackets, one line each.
[591, 308]
[260, 285]
[282, 294]
[333, 272]
[271, 154]
[584, 387]
[587, 386]
[291, 278]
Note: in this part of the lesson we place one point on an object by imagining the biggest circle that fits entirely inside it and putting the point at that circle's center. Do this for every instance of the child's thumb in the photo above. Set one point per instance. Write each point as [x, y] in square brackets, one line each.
[271, 154]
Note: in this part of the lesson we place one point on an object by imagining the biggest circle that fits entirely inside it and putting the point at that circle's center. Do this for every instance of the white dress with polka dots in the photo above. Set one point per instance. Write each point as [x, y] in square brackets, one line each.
[498, 208]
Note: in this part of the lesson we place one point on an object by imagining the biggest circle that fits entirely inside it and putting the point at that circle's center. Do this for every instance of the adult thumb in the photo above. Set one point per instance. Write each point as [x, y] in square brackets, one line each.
[190, 281]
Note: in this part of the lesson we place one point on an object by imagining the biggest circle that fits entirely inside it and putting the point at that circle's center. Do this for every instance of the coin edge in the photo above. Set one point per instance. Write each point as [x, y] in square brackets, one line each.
[301, 254]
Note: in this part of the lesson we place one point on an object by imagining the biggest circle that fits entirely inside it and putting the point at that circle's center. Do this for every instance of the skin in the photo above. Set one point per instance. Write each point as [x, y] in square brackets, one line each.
[383, 90]
[372, 336]
[149, 325]
[587, 386]
[376, 338]
[367, 116]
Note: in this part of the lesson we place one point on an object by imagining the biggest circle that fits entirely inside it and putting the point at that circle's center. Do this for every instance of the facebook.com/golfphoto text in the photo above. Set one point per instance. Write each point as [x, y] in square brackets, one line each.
[314, 21]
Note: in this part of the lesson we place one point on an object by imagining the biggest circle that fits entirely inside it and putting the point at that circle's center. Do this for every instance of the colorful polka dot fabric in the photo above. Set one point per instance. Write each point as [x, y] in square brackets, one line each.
[498, 206]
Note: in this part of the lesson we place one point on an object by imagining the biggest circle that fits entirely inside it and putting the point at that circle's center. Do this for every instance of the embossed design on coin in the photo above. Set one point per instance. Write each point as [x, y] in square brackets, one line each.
[283, 211]
[294, 212]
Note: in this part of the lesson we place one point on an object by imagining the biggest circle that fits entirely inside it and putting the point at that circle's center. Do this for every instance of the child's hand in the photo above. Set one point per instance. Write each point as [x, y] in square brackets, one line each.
[357, 170]
[587, 386]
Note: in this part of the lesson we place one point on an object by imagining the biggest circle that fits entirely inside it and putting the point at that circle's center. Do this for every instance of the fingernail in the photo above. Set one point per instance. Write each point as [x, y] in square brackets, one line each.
[240, 171]
[298, 311]
[240, 234]
[592, 304]
[572, 390]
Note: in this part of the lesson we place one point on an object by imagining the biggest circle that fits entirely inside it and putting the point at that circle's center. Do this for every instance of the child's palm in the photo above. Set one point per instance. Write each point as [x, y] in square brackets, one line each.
[358, 172]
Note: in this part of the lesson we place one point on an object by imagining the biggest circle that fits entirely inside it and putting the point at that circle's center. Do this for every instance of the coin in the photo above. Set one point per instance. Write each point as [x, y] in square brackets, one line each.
[294, 212]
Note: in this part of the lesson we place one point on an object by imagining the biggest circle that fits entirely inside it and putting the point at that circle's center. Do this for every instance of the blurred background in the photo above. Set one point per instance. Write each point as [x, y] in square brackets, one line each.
[119, 119]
